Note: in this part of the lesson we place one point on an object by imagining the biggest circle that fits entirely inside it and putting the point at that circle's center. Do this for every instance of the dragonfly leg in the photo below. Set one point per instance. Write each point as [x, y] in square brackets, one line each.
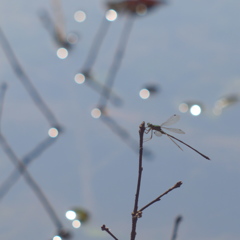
[147, 131]
[174, 141]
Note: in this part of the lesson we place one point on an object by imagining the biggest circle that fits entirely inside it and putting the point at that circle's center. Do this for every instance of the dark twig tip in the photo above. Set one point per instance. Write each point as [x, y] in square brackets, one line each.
[178, 219]
[142, 127]
[103, 227]
[178, 184]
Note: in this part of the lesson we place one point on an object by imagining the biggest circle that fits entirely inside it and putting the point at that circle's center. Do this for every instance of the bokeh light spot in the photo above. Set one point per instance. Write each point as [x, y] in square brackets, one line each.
[96, 113]
[144, 93]
[62, 53]
[195, 110]
[53, 132]
[183, 107]
[76, 224]
[111, 15]
[57, 238]
[80, 16]
[79, 78]
[70, 215]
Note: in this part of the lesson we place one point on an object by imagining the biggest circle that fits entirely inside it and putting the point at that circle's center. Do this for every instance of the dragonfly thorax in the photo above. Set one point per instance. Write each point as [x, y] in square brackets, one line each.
[153, 126]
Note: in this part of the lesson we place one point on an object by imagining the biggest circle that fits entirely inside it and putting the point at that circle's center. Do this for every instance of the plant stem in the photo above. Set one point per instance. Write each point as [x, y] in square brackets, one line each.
[177, 185]
[104, 228]
[135, 215]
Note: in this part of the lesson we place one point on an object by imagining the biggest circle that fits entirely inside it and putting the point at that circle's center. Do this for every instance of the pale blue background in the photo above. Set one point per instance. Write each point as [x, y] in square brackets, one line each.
[191, 48]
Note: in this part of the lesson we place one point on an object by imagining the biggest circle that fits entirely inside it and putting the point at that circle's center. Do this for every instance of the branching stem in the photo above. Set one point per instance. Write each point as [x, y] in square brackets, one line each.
[177, 185]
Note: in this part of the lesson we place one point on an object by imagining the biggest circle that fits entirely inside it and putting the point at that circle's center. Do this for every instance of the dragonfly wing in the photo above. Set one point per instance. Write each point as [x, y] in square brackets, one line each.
[175, 142]
[175, 130]
[173, 119]
[157, 133]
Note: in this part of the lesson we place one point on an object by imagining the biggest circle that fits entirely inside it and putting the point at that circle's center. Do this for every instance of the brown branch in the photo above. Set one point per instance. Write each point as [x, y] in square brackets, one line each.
[177, 185]
[135, 214]
[104, 228]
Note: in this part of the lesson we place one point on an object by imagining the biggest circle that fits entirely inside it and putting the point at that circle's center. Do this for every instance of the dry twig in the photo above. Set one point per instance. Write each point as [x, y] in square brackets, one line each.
[104, 228]
[177, 185]
[135, 215]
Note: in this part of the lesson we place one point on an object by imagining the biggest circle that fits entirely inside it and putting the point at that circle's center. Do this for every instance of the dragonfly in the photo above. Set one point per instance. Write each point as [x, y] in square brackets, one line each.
[159, 130]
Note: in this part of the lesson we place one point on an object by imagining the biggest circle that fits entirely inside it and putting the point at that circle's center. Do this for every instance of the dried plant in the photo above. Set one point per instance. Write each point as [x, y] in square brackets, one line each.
[138, 211]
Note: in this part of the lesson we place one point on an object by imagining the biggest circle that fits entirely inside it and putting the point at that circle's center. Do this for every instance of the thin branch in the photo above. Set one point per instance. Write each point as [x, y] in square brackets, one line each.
[56, 32]
[96, 44]
[31, 182]
[135, 215]
[86, 70]
[26, 81]
[27, 159]
[104, 228]
[116, 63]
[98, 86]
[39, 149]
[3, 88]
[177, 185]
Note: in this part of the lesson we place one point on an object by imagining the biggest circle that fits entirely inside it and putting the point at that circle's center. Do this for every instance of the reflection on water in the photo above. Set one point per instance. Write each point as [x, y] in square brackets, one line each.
[57, 238]
[70, 215]
[195, 110]
[53, 132]
[225, 102]
[183, 107]
[62, 53]
[144, 93]
[76, 224]
[193, 107]
[111, 15]
[96, 113]
[80, 16]
[79, 78]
